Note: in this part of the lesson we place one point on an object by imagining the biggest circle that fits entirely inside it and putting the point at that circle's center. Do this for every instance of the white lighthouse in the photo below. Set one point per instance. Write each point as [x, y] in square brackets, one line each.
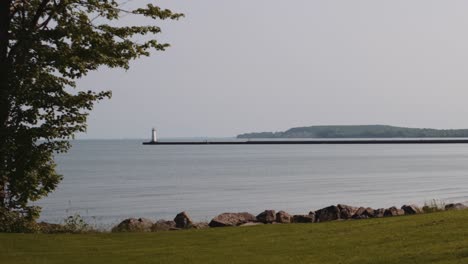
[154, 137]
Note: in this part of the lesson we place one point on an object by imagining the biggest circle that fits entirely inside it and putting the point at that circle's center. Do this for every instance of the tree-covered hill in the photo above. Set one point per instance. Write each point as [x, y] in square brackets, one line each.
[360, 131]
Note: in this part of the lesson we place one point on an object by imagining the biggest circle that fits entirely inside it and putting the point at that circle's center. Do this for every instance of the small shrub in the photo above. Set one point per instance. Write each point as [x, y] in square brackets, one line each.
[433, 206]
[72, 224]
[76, 224]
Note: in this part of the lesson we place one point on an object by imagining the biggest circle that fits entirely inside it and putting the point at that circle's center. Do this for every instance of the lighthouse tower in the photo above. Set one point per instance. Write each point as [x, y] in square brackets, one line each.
[154, 137]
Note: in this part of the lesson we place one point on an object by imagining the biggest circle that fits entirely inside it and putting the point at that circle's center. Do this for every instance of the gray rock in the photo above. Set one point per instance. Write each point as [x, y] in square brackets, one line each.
[200, 225]
[266, 217]
[304, 218]
[232, 219]
[378, 213]
[163, 225]
[134, 225]
[393, 211]
[183, 220]
[456, 206]
[328, 214]
[364, 213]
[283, 217]
[411, 209]
[346, 211]
[251, 224]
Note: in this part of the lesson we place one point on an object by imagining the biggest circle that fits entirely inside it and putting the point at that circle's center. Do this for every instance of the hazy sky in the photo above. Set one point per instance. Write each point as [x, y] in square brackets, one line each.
[250, 65]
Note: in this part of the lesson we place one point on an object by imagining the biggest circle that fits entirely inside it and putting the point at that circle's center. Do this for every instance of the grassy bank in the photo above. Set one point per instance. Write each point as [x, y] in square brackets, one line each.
[430, 238]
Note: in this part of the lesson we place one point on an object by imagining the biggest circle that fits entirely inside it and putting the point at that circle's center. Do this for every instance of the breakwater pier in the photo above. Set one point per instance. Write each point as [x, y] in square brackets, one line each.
[311, 141]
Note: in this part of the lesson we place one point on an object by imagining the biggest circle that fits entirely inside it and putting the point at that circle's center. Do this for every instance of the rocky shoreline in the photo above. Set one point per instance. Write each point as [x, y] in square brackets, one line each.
[330, 213]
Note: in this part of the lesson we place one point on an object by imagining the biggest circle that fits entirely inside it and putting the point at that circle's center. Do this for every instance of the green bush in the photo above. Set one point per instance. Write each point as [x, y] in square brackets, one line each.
[76, 224]
[12, 221]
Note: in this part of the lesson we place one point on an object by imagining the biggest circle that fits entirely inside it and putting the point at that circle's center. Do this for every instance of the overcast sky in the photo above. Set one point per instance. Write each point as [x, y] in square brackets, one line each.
[250, 65]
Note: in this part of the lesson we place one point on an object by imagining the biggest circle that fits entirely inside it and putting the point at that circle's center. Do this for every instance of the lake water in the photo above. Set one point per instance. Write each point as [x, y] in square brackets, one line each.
[108, 180]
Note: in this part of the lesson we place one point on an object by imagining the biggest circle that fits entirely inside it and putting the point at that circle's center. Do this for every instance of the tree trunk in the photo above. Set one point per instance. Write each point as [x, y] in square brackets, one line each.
[5, 6]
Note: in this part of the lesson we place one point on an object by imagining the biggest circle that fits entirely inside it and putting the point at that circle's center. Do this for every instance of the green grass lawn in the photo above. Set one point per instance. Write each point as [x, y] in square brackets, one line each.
[431, 238]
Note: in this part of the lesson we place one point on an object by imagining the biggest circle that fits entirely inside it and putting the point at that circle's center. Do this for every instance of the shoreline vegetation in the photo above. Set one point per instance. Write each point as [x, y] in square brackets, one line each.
[359, 131]
[438, 237]
[182, 221]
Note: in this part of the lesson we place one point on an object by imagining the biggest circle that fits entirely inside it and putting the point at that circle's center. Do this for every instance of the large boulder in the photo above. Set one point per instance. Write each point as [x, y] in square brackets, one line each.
[266, 217]
[232, 219]
[283, 217]
[328, 214]
[346, 211]
[183, 220]
[163, 225]
[134, 225]
[378, 213]
[455, 206]
[364, 213]
[310, 218]
[393, 211]
[411, 209]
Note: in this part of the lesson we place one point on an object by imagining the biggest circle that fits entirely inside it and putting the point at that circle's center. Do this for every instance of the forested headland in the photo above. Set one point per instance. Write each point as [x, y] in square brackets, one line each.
[359, 131]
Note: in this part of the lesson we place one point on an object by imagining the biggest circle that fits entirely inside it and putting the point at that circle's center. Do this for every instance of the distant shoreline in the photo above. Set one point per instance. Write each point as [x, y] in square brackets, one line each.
[359, 131]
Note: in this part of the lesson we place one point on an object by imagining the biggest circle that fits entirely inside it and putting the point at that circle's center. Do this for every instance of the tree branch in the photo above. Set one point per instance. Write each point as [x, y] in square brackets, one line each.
[39, 13]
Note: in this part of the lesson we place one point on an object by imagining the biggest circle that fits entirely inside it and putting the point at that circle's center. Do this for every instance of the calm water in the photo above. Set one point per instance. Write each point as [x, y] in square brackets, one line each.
[108, 180]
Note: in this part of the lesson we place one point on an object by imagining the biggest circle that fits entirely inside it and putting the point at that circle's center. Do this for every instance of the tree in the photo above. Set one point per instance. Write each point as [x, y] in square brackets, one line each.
[45, 46]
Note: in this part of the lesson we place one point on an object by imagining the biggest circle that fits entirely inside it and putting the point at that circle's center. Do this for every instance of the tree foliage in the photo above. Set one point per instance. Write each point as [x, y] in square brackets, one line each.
[45, 46]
